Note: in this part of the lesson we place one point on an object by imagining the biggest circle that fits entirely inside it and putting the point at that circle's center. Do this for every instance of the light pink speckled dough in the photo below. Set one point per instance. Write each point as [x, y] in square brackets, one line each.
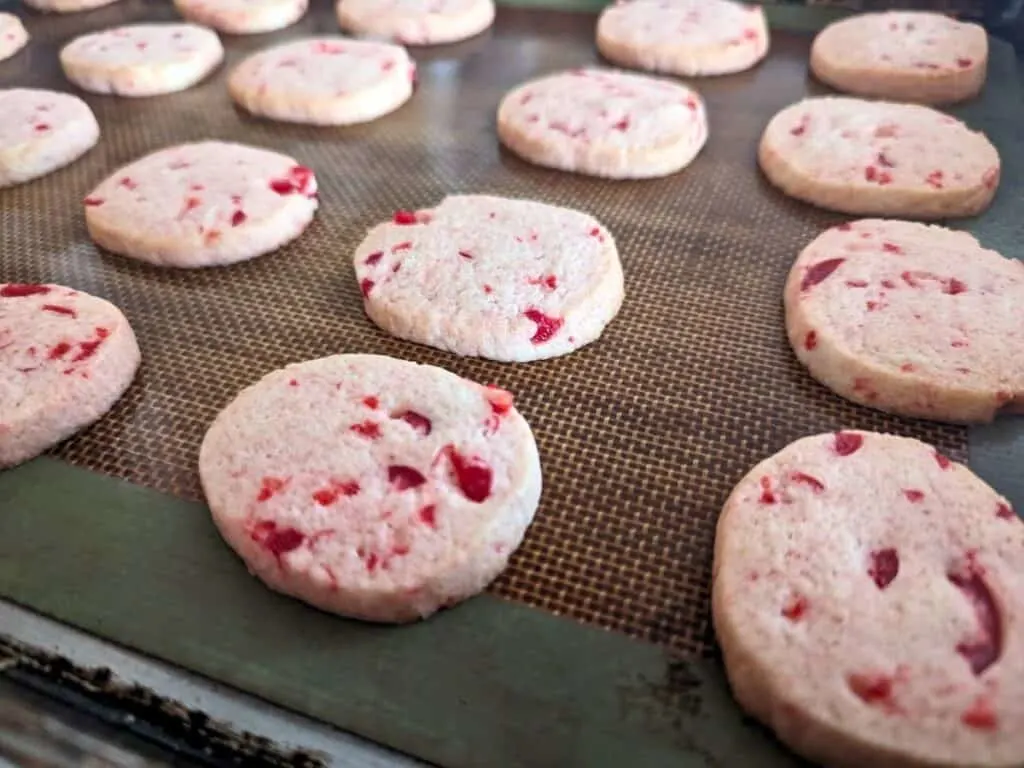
[42, 131]
[243, 17]
[909, 318]
[65, 358]
[416, 22]
[605, 123]
[372, 487]
[914, 56]
[877, 158]
[13, 35]
[324, 81]
[510, 280]
[200, 205]
[868, 597]
[142, 59]
[683, 37]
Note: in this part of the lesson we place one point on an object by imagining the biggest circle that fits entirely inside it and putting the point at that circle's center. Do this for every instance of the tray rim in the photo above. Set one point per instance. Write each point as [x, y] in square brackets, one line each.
[48, 487]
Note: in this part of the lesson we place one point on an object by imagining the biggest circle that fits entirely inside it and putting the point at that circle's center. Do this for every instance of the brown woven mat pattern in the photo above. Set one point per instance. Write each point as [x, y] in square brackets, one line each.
[642, 435]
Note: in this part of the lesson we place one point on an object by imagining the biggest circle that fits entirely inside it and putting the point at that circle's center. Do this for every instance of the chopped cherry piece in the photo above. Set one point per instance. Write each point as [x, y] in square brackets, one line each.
[18, 290]
[417, 421]
[59, 310]
[848, 442]
[473, 475]
[982, 651]
[885, 565]
[809, 480]
[270, 486]
[871, 689]
[429, 515]
[367, 429]
[818, 272]
[547, 326]
[403, 478]
[795, 608]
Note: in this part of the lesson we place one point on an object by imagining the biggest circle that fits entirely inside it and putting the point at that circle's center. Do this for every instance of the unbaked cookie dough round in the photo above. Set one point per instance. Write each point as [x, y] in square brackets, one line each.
[372, 487]
[604, 123]
[912, 56]
[324, 81]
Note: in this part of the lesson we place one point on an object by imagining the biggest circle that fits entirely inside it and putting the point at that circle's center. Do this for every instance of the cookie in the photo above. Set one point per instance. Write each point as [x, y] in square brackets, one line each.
[868, 599]
[66, 6]
[142, 59]
[509, 280]
[13, 36]
[201, 205]
[604, 123]
[324, 81]
[909, 318]
[243, 17]
[683, 37]
[417, 22]
[42, 131]
[372, 487]
[877, 158]
[912, 56]
[65, 358]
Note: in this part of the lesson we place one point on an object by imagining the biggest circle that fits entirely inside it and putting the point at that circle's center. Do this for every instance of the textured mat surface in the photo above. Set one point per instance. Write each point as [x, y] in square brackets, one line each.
[642, 434]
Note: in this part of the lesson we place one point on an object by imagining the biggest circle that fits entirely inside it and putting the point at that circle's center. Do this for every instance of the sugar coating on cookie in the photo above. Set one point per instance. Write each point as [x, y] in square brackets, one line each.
[200, 205]
[372, 487]
[909, 318]
[510, 280]
[878, 158]
[417, 22]
[42, 131]
[683, 37]
[243, 17]
[142, 59]
[65, 358]
[324, 81]
[13, 35]
[869, 603]
[914, 56]
[66, 6]
[604, 123]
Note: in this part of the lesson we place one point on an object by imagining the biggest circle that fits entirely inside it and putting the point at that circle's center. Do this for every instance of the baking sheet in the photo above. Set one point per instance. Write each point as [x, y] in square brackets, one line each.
[642, 434]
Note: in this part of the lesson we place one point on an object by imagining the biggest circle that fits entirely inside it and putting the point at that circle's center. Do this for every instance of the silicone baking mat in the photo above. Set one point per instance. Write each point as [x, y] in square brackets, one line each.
[642, 434]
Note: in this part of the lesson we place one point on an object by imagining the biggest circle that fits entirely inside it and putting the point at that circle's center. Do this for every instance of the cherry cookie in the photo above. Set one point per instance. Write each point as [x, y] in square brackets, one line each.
[510, 280]
[142, 59]
[42, 131]
[604, 123]
[868, 597]
[910, 318]
[243, 17]
[201, 205]
[881, 159]
[683, 37]
[324, 81]
[65, 358]
[372, 487]
[416, 22]
[914, 56]
[13, 35]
